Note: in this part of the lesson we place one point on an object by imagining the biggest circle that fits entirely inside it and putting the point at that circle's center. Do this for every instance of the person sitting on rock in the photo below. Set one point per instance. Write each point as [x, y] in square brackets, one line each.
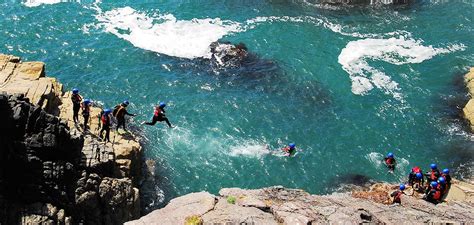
[159, 115]
[417, 182]
[290, 150]
[432, 194]
[447, 177]
[397, 195]
[105, 120]
[76, 104]
[119, 112]
[86, 110]
[413, 175]
[390, 161]
[442, 187]
[433, 175]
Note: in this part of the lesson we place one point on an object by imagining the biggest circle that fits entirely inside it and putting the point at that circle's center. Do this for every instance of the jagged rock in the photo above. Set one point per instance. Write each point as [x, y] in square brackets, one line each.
[278, 205]
[178, 209]
[468, 110]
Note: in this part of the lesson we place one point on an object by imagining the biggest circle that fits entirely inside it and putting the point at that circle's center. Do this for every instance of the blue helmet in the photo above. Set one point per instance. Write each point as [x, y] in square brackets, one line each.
[390, 155]
[441, 180]
[402, 187]
[107, 111]
[87, 101]
[433, 166]
[292, 145]
[126, 102]
[434, 184]
[162, 104]
[446, 171]
[419, 176]
[75, 90]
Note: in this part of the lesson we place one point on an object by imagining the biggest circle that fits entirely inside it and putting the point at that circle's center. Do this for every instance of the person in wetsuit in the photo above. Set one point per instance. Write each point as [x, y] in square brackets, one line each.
[105, 120]
[397, 195]
[390, 161]
[76, 104]
[434, 174]
[290, 149]
[159, 115]
[86, 110]
[119, 112]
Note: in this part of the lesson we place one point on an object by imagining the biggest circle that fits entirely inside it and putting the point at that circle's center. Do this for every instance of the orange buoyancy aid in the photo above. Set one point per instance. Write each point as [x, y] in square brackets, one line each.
[157, 111]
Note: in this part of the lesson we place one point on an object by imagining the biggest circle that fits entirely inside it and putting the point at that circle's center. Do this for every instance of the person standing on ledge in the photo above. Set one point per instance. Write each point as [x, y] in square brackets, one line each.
[390, 162]
[290, 149]
[86, 110]
[105, 119]
[159, 115]
[76, 104]
[119, 112]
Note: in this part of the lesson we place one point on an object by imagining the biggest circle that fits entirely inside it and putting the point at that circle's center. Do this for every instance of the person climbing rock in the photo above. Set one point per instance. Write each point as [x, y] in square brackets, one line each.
[290, 150]
[434, 174]
[76, 104]
[86, 110]
[414, 174]
[105, 120]
[390, 161]
[397, 195]
[433, 195]
[446, 177]
[119, 112]
[159, 115]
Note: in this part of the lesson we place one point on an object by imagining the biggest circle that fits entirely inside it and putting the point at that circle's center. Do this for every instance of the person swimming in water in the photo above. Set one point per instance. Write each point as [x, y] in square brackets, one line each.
[390, 161]
[290, 149]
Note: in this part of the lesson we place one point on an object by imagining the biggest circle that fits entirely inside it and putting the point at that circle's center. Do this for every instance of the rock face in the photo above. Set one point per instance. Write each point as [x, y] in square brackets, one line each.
[468, 110]
[51, 171]
[278, 205]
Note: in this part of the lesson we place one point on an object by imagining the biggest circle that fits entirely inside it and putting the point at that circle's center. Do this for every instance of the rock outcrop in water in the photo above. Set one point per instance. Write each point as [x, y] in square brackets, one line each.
[278, 205]
[468, 110]
[51, 172]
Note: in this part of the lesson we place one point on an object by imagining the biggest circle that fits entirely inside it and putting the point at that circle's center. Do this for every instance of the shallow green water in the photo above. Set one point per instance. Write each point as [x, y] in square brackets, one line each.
[298, 87]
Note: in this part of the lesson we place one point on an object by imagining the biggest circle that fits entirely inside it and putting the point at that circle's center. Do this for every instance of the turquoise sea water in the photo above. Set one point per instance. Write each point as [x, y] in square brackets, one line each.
[346, 84]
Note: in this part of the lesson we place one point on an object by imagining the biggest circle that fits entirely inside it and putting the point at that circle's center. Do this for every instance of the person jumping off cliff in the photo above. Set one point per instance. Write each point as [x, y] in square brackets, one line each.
[76, 104]
[119, 112]
[86, 109]
[390, 162]
[159, 115]
[105, 120]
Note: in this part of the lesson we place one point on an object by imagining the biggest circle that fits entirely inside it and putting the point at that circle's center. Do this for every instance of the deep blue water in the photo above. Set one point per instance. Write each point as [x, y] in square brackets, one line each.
[346, 84]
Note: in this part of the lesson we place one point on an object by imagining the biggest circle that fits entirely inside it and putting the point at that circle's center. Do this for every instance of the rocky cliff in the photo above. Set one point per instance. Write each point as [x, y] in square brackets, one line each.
[278, 205]
[52, 172]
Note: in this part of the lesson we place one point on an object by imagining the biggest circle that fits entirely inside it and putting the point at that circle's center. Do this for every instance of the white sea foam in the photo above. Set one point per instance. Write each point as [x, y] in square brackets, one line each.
[164, 33]
[35, 3]
[254, 150]
[398, 51]
[375, 158]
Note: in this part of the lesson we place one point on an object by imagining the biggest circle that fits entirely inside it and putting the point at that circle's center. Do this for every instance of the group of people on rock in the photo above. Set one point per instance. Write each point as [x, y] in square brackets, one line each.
[107, 116]
[436, 186]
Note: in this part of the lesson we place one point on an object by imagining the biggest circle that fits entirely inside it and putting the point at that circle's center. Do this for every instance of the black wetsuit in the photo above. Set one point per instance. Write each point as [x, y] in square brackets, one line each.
[105, 127]
[121, 112]
[85, 114]
[76, 105]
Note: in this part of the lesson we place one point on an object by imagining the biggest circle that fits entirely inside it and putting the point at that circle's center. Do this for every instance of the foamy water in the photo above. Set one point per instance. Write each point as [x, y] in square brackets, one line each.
[164, 33]
[398, 51]
[35, 3]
